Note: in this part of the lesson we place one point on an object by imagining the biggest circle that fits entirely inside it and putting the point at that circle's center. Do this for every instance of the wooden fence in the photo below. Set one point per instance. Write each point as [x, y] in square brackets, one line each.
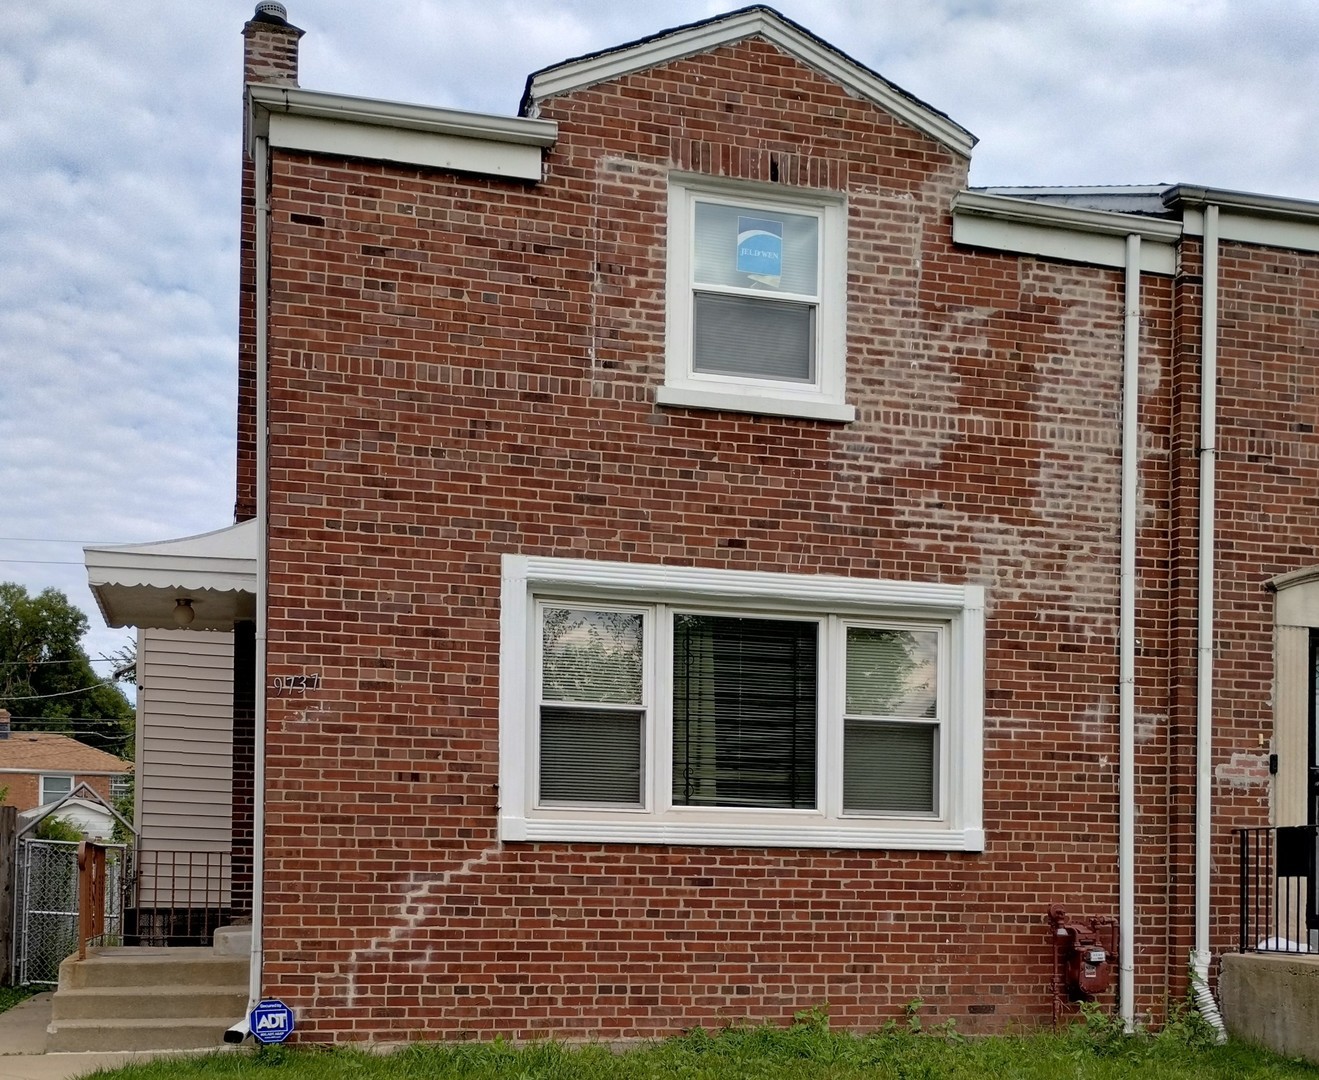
[8, 885]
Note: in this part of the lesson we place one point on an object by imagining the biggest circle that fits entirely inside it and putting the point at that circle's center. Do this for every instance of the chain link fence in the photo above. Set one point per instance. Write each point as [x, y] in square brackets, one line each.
[46, 907]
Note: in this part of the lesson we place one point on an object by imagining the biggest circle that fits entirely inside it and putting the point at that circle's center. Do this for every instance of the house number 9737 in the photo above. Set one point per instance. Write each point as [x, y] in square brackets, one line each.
[294, 685]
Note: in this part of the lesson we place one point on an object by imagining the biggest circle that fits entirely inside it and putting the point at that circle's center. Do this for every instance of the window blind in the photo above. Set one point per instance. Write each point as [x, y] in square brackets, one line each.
[744, 711]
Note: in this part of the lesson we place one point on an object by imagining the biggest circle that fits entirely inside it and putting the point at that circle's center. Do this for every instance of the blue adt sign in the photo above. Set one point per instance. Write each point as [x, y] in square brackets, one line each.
[272, 1021]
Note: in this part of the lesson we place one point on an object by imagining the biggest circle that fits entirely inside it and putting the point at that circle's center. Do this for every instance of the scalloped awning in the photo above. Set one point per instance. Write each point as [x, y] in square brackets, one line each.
[138, 584]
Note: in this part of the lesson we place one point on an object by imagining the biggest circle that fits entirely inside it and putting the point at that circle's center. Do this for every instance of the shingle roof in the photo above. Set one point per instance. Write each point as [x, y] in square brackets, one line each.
[38, 752]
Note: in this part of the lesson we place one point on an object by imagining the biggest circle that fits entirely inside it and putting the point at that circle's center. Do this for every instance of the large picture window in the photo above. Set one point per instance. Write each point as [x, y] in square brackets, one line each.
[756, 300]
[658, 704]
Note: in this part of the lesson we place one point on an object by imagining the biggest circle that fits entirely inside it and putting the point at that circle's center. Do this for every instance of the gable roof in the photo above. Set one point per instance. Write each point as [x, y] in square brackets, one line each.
[30, 751]
[759, 20]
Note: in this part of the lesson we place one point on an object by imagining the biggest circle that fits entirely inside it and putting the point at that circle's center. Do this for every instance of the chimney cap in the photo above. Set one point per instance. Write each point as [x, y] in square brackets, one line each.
[271, 11]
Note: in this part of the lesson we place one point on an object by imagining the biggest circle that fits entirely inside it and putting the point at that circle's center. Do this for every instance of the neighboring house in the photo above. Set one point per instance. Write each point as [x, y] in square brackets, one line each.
[37, 768]
[93, 820]
[715, 563]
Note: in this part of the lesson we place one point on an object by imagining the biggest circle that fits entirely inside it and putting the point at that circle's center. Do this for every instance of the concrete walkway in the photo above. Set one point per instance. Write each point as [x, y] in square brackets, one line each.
[23, 1047]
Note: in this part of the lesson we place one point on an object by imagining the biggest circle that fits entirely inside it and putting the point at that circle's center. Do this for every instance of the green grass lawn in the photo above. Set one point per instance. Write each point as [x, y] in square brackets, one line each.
[12, 995]
[806, 1051]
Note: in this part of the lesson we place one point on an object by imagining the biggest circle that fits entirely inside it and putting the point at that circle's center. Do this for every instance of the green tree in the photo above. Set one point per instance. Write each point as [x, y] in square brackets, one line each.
[46, 679]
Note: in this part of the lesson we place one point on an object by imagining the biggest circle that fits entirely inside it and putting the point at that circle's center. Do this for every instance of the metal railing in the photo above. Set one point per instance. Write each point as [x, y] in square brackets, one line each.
[1278, 907]
[178, 897]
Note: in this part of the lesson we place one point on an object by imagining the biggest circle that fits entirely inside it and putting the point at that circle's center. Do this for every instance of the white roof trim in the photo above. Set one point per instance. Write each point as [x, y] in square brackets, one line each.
[316, 122]
[137, 584]
[702, 37]
[1077, 218]
[1248, 202]
[1053, 231]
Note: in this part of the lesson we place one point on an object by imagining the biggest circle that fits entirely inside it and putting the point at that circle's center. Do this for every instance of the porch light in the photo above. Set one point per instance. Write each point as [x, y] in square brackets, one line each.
[183, 613]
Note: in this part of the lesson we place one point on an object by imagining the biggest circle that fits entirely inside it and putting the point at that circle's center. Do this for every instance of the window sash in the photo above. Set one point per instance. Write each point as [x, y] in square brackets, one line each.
[753, 338]
[603, 760]
[745, 711]
[636, 756]
[752, 328]
[55, 787]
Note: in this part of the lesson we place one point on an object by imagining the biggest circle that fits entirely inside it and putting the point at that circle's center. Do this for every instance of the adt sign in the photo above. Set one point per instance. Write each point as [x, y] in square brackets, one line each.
[272, 1021]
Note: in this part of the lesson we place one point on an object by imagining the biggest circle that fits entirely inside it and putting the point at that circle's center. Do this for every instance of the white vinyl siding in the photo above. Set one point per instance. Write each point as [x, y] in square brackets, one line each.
[185, 739]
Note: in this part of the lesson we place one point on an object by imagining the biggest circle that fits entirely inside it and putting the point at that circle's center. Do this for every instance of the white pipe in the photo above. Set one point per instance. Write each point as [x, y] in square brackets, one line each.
[1127, 637]
[261, 193]
[1204, 698]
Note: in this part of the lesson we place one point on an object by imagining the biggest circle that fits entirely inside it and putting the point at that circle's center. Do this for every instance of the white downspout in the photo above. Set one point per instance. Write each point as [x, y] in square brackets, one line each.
[261, 194]
[1204, 698]
[1127, 637]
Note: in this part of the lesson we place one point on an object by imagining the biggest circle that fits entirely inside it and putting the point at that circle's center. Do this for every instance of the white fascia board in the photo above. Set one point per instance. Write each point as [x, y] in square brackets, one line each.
[1240, 227]
[590, 70]
[340, 138]
[339, 125]
[1255, 205]
[1076, 234]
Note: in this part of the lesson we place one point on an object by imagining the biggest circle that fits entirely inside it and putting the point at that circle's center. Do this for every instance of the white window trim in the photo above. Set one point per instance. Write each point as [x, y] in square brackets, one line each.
[960, 608]
[41, 788]
[823, 400]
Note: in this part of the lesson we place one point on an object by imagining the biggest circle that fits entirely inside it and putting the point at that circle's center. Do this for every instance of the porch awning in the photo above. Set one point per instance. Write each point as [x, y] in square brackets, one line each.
[139, 584]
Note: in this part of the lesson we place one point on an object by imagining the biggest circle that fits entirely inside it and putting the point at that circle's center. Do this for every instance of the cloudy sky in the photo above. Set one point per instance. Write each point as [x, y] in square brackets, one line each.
[119, 155]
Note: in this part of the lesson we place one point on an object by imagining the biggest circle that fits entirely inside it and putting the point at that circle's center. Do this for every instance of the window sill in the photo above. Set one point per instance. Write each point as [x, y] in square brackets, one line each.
[887, 835]
[733, 401]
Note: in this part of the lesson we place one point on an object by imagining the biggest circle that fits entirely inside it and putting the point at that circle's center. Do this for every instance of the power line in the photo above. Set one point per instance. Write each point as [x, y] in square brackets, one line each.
[62, 693]
[53, 540]
[34, 663]
[43, 562]
[37, 723]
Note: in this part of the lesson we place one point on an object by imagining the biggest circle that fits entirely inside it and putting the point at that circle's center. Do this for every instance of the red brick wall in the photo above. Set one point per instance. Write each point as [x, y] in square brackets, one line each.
[24, 789]
[462, 368]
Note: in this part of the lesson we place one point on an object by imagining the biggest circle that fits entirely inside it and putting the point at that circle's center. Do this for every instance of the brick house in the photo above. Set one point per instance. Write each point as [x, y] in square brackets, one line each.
[37, 768]
[718, 563]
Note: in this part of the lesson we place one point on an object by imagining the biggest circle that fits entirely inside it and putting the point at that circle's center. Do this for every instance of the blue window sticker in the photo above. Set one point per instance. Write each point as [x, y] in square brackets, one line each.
[760, 247]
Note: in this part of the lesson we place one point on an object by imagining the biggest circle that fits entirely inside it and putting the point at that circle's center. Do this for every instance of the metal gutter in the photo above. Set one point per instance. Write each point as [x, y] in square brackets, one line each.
[1078, 219]
[1127, 635]
[1186, 196]
[264, 99]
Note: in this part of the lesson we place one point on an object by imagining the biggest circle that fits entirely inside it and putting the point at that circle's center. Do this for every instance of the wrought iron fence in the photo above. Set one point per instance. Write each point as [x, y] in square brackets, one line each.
[178, 897]
[1278, 902]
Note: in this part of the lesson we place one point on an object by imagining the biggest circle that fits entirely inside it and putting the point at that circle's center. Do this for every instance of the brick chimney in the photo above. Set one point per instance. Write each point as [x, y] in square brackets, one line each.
[4, 723]
[270, 56]
[270, 49]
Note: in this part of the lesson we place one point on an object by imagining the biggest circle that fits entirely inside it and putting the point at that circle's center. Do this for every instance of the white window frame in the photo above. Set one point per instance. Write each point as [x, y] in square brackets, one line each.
[823, 399]
[54, 776]
[956, 610]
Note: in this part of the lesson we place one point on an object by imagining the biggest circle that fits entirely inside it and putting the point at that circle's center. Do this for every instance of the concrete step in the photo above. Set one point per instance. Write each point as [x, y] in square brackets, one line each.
[84, 1036]
[225, 1003]
[153, 967]
[146, 999]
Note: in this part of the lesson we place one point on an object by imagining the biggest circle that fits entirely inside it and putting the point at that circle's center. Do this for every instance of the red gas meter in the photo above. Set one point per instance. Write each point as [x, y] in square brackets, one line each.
[1085, 953]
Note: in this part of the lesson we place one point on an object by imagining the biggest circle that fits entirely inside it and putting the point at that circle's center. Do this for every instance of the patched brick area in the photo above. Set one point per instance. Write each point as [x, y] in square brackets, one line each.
[462, 368]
